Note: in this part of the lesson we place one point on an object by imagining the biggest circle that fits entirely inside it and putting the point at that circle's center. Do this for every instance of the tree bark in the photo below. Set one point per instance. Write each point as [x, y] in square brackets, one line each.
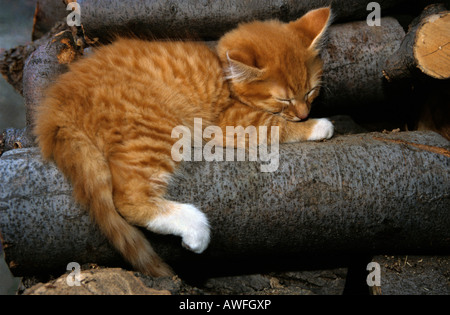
[426, 47]
[41, 68]
[367, 193]
[11, 139]
[12, 61]
[11, 65]
[354, 57]
[47, 14]
[202, 19]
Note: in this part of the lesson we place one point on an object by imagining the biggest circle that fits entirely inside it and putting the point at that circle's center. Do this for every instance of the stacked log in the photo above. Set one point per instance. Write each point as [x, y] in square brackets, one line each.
[426, 47]
[354, 194]
[202, 19]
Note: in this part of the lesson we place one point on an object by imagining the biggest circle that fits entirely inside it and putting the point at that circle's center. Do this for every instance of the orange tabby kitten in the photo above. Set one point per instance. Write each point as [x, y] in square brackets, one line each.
[107, 123]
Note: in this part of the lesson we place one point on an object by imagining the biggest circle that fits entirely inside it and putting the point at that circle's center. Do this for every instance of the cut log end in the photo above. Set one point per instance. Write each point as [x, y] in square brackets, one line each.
[432, 47]
[425, 48]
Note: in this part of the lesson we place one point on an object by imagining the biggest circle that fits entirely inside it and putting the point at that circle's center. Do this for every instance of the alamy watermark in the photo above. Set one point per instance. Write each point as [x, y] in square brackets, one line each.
[249, 140]
[73, 278]
[374, 277]
[74, 18]
[374, 18]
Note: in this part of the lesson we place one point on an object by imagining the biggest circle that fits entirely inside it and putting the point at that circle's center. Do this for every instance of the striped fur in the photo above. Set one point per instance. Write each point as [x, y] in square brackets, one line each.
[107, 123]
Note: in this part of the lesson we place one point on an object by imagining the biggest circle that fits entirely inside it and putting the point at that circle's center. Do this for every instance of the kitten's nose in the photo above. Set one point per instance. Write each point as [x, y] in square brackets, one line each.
[301, 113]
[302, 117]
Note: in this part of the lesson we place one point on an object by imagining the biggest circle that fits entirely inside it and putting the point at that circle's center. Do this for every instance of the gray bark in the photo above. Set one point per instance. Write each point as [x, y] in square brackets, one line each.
[354, 56]
[12, 61]
[206, 19]
[15, 139]
[42, 68]
[363, 193]
[47, 14]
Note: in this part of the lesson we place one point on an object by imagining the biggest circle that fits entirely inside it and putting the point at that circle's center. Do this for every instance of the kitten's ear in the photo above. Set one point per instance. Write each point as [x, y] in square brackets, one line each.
[313, 25]
[241, 67]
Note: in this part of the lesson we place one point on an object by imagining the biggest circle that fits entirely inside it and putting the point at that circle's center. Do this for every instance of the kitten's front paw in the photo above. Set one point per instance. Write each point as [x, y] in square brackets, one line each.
[323, 129]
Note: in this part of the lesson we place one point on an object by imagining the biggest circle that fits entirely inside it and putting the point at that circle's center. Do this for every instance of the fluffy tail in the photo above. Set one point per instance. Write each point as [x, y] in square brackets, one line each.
[89, 172]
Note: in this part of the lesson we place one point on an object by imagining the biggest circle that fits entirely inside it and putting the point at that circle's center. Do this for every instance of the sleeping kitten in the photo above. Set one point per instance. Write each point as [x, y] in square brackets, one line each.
[107, 123]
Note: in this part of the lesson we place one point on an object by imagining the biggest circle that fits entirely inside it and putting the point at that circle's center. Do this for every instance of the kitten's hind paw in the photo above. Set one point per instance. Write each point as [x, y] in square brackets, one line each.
[186, 221]
[323, 129]
[196, 243]
[196, 235]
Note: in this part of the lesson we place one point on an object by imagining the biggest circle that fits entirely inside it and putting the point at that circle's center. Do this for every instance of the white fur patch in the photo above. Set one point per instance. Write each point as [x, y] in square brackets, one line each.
[186, 221]
[323, 129]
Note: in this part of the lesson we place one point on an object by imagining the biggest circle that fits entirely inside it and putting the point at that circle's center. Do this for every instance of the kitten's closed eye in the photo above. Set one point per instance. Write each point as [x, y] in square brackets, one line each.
[309, 97]
[285, 101]
[309, 94]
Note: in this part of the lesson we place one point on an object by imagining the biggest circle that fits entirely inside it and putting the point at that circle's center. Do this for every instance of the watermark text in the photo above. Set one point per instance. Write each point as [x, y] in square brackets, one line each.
[237, 143]
[374, 18]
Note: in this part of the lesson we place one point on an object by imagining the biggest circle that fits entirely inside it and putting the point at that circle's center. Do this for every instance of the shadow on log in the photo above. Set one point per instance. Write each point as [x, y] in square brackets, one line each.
[367, 193]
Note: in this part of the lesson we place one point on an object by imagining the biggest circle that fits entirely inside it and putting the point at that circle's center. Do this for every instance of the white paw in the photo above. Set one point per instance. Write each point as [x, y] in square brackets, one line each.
[186, 221]
[323, 129]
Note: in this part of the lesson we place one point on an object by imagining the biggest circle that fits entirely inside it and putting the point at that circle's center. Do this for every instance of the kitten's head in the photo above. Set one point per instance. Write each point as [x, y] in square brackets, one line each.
[275, 66]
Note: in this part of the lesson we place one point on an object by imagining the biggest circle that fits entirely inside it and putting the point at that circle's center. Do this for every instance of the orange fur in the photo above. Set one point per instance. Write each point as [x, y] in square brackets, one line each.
[107, 122]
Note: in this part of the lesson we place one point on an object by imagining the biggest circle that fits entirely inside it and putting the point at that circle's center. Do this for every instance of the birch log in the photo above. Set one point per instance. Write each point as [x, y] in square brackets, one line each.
[371, 193]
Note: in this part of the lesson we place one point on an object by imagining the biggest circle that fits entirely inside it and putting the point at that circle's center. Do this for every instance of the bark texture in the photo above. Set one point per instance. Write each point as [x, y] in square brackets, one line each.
[46, 15]
[207, 19]
[15, 139]
[354, 56]
[12, 61]
[43, 67]
[363, 193]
